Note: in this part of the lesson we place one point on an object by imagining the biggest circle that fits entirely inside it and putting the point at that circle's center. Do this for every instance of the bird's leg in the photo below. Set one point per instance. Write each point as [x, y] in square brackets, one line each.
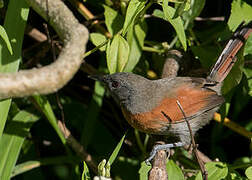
[160, 147]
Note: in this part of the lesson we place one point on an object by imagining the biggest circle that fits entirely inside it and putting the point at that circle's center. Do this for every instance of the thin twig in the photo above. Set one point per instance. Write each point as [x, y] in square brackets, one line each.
[221, 18]
[194, 146]
[202, 156]
[89, 16]
[247, 62]
[61, 111]
[41, 53]
[78, 148]
[51, 42]
[35, 34]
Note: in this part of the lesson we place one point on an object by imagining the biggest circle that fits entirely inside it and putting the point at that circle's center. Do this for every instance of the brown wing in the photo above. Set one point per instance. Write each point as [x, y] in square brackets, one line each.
[194, 100]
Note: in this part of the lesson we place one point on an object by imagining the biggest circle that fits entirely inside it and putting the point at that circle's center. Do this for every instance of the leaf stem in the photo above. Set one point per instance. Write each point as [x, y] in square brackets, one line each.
[139, 142]
[95, 49]
[239, 166]
[29, 165]
[151, 49]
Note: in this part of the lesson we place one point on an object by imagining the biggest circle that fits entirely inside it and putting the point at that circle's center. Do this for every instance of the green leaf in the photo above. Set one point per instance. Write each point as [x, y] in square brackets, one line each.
[11, 142]
[133, 10]
[173, 171]
[195, 10]
[248, 46]
[177, 23]
[29, 165]
[216, 170]
[1, 3]
[117, 54]
[248, 74]
[233, 175]
[111, 67]
[94, 107]
[159, 14]
[85, 173]
[235, 75]
[46, 108]
[216, 32]
[113, 20]
[101, 168]
[97, 39]
[4, 35]
[19, 11]
[181, 8]
[143, 171]
[187, 5]
[116, 151]
[135, 38]
[240, 11]
[248, 172]
[207, 54]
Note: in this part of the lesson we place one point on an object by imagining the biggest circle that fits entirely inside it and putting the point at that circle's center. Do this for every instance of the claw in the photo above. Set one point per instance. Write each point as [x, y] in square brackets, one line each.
[160, 147]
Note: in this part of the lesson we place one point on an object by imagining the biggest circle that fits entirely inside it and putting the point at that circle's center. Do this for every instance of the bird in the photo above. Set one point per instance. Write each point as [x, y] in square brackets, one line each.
[150, 106]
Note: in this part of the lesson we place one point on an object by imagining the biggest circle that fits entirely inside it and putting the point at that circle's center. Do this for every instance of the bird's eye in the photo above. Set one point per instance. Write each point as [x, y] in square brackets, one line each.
[115, 84]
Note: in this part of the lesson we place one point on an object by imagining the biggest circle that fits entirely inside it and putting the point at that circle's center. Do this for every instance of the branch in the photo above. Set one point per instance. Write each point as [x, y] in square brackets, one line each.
[233, 126]
[78, 148]
[194, 146]
[50, 78]
[89, 16]
[158, 170]
[172, 63]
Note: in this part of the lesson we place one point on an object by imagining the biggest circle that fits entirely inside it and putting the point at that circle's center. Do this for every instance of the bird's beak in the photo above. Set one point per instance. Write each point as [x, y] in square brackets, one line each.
[97, 77]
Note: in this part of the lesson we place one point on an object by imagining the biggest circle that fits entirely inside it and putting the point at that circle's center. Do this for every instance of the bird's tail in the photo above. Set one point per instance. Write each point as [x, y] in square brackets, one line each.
[227, 58]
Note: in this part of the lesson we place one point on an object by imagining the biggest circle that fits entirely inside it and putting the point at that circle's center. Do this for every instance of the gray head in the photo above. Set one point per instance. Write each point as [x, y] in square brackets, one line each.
[123, 86]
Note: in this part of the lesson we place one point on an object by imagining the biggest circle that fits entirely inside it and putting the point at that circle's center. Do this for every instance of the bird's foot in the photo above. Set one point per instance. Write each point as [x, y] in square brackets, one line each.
[160, 147]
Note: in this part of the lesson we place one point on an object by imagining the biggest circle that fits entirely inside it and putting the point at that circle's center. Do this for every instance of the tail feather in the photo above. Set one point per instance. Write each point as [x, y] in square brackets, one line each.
[227, 58]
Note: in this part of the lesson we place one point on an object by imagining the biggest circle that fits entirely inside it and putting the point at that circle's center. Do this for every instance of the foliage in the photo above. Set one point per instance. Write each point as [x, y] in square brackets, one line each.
[132, 36]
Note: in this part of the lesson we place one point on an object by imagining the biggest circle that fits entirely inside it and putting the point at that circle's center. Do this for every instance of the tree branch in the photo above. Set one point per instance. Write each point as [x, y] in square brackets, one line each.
[50, 78]
[158, 170]
[78, 148]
